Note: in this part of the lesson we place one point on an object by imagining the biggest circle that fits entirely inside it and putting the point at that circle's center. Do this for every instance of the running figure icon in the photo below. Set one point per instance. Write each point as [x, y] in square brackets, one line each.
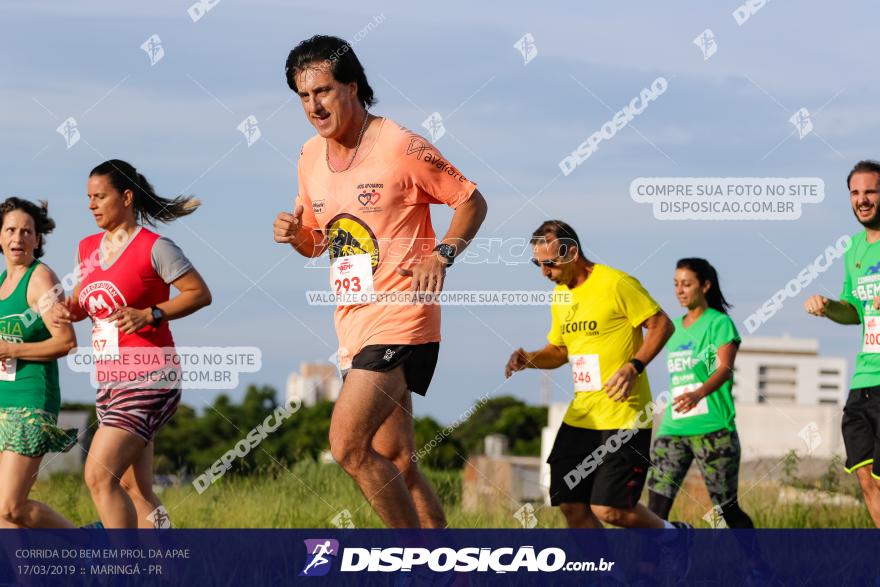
[319, 552]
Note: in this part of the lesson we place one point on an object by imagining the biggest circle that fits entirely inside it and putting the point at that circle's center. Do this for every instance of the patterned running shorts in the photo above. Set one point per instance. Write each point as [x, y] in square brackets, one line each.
[717, 455]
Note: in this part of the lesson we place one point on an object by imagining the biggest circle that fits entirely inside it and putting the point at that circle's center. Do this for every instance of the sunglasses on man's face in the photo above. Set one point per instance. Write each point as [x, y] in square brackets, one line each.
[552, 263]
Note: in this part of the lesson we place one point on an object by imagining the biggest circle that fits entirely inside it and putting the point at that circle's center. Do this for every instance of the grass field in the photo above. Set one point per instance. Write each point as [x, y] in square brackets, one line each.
[311, 495]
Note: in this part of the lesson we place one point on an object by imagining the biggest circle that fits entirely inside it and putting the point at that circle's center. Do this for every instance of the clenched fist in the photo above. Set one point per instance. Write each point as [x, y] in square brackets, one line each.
[288, 225]
[518, 361]
[816, 305]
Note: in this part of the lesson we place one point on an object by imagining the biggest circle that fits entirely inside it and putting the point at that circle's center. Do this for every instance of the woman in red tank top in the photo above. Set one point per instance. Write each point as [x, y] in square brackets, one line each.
[124, 287]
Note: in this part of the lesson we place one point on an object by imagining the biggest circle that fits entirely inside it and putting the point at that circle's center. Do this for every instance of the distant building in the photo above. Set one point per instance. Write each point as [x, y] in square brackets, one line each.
[494, 479]
[508, 482]
[788, 371]
[495, 445]
[315, 382]
[788, 398]
[555, 413]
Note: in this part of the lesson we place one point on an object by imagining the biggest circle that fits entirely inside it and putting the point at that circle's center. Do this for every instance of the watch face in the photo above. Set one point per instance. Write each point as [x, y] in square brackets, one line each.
[157, 315]
[446, 250]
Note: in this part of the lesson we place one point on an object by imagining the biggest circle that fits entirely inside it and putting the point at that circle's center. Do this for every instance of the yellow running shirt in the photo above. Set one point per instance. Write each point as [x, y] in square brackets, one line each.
[601, 329]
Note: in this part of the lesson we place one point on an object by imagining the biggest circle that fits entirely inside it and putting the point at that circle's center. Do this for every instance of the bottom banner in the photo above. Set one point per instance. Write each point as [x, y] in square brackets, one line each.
[439, 557]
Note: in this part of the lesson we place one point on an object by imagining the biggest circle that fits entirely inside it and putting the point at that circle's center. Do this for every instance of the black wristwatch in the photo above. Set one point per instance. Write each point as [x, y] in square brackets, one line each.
[640, 366]
[447, 252]
[158, 315]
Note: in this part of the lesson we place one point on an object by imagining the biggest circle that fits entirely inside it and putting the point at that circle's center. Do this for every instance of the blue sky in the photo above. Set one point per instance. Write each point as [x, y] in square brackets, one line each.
[508, 125]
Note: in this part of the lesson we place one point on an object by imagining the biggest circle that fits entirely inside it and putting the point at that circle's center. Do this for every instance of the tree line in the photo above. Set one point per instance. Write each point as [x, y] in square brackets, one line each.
[193, 441]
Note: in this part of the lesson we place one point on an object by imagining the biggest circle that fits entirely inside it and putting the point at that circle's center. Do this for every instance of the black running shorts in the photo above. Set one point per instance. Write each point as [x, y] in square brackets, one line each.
[599, 467]
[418, 360]
[861, 429]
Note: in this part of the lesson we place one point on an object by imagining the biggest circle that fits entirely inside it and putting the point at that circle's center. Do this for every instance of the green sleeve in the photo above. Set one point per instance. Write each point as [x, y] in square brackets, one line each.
[724, 331]
[846, 294]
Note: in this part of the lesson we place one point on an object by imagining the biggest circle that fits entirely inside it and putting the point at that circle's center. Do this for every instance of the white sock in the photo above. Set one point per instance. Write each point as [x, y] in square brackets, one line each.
[667, 525]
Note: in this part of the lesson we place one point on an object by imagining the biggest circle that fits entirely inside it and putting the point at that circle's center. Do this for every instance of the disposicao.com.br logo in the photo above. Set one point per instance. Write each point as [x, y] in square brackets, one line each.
[441, 560]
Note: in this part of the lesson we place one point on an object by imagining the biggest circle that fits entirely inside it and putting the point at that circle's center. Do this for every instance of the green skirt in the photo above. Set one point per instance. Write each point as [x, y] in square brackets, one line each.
[33, 433]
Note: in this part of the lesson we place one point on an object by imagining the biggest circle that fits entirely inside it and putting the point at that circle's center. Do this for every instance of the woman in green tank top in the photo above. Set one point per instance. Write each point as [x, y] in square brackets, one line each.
[29, 349]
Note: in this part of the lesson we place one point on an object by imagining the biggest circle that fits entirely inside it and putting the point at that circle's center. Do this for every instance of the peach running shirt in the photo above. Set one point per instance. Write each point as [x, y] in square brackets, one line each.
[377, 212]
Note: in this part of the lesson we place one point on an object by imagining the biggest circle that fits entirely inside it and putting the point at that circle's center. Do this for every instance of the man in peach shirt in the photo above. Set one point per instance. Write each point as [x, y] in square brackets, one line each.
[365, 186]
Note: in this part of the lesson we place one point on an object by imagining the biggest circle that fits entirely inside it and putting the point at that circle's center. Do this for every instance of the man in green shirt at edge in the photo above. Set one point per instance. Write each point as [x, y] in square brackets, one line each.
[859, 304]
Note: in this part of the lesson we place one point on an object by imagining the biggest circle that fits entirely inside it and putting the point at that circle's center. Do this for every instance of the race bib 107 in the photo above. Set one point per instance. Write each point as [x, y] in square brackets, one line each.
[105, 340]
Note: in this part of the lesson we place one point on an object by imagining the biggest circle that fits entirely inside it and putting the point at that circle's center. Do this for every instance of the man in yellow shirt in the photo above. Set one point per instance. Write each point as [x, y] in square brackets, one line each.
[601, 454]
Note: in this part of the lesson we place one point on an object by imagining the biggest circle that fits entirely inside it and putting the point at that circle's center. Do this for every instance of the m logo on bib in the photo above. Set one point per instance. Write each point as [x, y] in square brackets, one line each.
[101, 299]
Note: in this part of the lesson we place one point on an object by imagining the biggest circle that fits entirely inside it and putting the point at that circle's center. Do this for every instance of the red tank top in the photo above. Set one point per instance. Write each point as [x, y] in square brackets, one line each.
[130, 281]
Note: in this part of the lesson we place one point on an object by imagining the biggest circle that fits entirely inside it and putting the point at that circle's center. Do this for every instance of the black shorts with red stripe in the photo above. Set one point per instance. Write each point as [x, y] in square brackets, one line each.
[599, 467]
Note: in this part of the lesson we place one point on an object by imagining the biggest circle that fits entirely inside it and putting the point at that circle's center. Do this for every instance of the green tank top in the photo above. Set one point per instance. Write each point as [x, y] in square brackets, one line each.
[36, 382]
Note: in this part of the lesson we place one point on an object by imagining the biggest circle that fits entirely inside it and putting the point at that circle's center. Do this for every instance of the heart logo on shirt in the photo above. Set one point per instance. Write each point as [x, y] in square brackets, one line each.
[369, 198]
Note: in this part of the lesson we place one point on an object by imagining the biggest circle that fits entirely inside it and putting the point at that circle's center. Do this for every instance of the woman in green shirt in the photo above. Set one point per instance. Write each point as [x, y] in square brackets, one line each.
[29, 348]
[698, 423]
